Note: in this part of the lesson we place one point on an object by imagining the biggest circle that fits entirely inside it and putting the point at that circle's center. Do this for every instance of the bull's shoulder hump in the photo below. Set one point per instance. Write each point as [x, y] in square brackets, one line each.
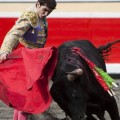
[76, 43]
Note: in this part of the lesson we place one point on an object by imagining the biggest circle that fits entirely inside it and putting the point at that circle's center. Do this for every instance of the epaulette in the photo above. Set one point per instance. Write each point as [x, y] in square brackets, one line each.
[32, 17]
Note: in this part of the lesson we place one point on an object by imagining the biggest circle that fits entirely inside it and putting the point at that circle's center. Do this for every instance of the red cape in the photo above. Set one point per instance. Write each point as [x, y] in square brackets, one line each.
[24, 79]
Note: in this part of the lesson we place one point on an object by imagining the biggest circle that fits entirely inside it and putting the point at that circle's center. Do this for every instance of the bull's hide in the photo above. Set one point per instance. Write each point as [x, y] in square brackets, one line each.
[75, 87]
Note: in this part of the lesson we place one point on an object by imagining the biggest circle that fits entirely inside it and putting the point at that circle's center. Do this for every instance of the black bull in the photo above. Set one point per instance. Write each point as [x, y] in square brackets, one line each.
[80, 95]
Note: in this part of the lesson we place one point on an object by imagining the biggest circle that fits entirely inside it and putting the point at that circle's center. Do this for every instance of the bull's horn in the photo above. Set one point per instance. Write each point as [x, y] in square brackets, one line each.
[74, 74]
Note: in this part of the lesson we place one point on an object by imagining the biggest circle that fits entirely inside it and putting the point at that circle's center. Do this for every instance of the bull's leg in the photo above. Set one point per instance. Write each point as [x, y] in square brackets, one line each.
[74, 74]
[96, 110]
[56, 92]
[112, 109]
[90, 117]
[101, 116]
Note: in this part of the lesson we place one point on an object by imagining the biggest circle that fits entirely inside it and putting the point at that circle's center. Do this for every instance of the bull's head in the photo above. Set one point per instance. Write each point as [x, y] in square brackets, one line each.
[70, 96]
[71, 77]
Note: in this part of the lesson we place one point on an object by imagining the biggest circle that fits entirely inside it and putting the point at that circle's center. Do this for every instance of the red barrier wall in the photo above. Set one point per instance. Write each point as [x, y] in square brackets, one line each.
[98, 30]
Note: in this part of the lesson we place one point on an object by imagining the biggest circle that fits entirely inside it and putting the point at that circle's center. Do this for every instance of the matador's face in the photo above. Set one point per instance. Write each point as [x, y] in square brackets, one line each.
[42, 10]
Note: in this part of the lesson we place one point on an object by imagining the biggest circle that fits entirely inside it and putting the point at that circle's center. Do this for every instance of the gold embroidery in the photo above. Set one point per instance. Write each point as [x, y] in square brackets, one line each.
[30, 44]
[41, 40]
[40, 33]
[9, 43]
[32, 17]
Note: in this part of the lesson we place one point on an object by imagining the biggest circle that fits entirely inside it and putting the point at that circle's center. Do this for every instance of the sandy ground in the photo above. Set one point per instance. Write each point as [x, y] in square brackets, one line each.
[53, 113]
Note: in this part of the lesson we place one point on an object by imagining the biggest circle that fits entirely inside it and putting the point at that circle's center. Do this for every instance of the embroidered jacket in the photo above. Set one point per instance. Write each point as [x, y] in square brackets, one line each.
[29, 30]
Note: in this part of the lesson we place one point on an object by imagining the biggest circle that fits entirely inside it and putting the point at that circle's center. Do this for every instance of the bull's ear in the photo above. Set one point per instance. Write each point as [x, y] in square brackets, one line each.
[74, 74]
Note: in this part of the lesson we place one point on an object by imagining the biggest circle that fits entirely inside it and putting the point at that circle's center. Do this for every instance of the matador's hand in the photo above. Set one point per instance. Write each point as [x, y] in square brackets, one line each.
[3, 56]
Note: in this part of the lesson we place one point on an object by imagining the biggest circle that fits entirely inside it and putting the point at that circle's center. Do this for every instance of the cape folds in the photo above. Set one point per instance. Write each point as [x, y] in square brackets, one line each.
[24, 79]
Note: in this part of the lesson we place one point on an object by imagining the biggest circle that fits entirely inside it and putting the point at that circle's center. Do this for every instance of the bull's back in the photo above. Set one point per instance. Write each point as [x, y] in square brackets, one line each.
[89, 50]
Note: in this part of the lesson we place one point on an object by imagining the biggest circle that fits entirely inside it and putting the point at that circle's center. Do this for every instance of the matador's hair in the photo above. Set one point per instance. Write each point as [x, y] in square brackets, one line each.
[50, 3]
